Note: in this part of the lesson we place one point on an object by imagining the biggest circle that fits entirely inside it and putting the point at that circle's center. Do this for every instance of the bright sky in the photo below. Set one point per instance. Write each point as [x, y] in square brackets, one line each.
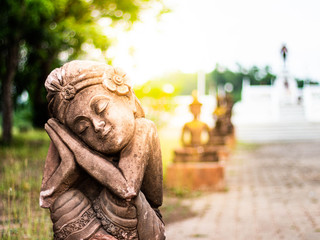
[198, 34]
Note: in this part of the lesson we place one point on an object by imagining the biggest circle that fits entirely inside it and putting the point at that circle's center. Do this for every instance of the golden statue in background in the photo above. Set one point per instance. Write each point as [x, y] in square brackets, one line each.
[195, 137]
[195, 128]
[196, 164]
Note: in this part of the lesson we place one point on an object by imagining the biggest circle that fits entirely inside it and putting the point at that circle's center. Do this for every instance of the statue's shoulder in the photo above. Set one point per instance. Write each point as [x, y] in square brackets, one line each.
[144, 122]
[146, 128]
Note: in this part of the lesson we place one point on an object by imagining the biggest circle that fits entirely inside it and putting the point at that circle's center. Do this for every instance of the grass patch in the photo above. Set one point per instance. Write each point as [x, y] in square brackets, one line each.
[20, 178]
[174, 207]
[173, 210]
[247, 146]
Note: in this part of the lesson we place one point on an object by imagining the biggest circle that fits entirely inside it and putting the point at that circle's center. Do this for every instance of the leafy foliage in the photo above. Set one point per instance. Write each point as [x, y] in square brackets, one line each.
[44, 34]
[221, 76]
[185, 83]
[157, 100]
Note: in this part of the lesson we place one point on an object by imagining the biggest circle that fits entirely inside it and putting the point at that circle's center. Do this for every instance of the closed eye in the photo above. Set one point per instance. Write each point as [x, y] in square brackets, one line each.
[81, 125]
[99, 103]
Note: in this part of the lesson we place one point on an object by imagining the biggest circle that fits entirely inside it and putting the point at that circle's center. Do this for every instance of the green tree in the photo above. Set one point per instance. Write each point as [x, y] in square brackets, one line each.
[34, 33]
[220, 76]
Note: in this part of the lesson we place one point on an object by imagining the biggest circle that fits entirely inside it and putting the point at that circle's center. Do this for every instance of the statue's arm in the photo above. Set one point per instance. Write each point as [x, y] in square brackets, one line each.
[207, 128]
[137, 158]
[153, 176]
[101, 169]
[182, 138]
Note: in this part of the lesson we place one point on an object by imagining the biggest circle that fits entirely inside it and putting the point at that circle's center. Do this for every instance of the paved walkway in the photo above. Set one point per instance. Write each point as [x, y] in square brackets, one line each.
[273, 193]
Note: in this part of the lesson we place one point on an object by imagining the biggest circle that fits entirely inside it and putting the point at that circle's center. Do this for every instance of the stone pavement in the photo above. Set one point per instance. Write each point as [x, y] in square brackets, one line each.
[273, 193]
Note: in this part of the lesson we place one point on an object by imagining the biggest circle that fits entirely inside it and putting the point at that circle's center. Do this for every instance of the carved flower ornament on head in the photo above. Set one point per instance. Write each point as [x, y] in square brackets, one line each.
[68, 92]
[116, 81]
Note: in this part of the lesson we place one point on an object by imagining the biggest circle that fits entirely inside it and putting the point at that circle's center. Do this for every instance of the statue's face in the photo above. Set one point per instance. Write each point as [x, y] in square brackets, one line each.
[195, 110]
[104, 121]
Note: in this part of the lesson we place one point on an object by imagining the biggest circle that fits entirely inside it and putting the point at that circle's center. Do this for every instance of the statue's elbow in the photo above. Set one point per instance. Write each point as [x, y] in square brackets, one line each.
[131, 193]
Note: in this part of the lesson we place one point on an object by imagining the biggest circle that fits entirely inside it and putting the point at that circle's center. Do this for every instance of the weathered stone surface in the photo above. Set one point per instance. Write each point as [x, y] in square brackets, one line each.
[103, 173]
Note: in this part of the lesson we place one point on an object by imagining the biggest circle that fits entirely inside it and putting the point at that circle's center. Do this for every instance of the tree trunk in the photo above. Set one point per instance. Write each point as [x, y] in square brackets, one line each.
[40, 108]
[7, 84]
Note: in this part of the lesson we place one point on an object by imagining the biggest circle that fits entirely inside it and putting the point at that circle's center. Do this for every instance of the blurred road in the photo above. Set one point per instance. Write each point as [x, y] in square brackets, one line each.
[273, 193]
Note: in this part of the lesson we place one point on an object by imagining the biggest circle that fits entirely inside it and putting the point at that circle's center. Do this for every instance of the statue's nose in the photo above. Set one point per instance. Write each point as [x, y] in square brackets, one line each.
[98, 125]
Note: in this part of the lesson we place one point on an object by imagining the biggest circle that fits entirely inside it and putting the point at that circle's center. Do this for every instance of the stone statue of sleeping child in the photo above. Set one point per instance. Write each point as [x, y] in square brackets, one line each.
[103, 173]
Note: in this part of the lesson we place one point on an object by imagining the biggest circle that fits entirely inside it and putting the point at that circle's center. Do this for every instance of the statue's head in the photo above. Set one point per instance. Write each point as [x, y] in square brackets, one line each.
[195, 106]
[96, 102]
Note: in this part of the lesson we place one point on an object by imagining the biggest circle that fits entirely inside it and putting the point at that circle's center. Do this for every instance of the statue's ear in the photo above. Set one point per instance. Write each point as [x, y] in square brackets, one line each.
[135, 105]
[140, 112]
[131, 100]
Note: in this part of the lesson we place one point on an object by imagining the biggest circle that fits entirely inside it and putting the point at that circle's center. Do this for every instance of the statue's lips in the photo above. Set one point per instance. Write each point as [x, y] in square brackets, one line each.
[105, 132]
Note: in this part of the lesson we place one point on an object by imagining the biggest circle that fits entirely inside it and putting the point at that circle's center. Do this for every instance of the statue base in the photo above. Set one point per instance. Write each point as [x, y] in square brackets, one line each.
[231, 140]
[222, 151]
[228, 140]
[218, 140]
[196, 176]
[196, 154]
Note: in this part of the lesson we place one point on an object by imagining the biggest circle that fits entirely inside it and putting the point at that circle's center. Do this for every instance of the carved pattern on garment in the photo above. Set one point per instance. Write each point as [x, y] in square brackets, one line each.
[75, 226]
[119, 232]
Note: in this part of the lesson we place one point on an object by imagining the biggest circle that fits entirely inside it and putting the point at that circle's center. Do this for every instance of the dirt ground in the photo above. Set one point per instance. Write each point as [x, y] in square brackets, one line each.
[273, 193]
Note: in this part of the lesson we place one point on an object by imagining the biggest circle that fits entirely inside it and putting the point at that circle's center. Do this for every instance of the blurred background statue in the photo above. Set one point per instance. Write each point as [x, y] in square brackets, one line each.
[284, 52]
[196, 164]
[224, 129]
[195, 137]
[195, 128]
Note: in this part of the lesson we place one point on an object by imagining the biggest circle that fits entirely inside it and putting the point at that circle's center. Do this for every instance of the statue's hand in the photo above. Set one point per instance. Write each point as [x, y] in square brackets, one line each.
[67, 137]
[64, 175]
[76, 146]
[98, 166]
